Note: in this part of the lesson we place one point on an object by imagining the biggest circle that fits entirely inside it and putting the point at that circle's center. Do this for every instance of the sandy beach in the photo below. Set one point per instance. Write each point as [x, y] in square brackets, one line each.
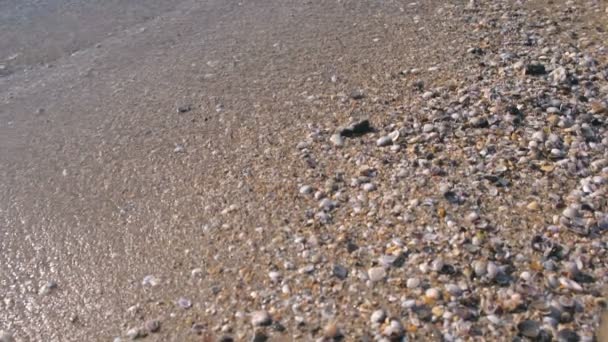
[204, 171]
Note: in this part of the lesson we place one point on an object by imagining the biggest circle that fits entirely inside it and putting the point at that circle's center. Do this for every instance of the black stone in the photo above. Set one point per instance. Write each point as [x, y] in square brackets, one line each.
[356, 129]
[400, 260]
[535, 69]
[452, 197]
[340, 272]
[423, 312]
[502, 279]
[567, 335]
[184, 109]
[278, 327]
[477, 51]
[351, 247]
[529, 328]
[259, 337]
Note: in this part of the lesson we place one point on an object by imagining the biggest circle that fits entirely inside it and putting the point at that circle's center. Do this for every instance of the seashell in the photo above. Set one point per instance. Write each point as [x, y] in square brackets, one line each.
[394, 136]
[570, 284]
[494, 319]
[570, 212]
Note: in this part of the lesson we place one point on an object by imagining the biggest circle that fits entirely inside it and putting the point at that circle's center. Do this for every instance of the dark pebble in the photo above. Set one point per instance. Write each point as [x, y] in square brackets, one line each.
[535, 69]
[583, 278]
[356, 129]
[400, 260]
[567, 335]
[502, 279]
[451, 197]
[184, 109]
[340, 272]
[476, 51]
[351, 247]
[448, 269]
[259, 337]
[277, 326]
[423, 312]
[529, 328]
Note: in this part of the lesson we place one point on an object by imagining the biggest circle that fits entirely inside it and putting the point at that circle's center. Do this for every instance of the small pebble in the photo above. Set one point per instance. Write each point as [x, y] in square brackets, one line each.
[427, 95]
[260, 318]
[376, 274]
[525, 276]
[412, 283]
[492, 270]
[337, 140]
[437, 265]
[368, 187]
[274, 276]
[184, 303]
[378, 316]
[472, 217]
[196, 272]
[480, 268]
[135, 333]
[340, 271]
[384, 141]
[184, 109]
[432, 293]
[454, 290]
[152, 325]
[47, 288]
[150, 280]
[306, 190]
[357, 94]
